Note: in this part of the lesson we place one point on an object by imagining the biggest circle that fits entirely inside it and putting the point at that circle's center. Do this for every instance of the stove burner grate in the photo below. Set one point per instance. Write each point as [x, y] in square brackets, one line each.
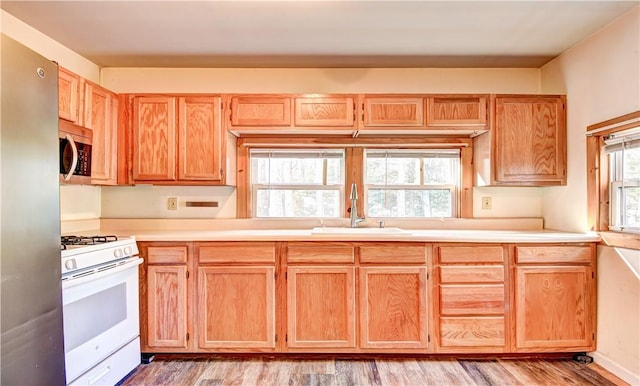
[85, 240]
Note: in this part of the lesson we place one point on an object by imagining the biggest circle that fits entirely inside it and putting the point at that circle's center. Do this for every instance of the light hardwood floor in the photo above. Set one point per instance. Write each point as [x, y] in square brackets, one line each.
[409, 372]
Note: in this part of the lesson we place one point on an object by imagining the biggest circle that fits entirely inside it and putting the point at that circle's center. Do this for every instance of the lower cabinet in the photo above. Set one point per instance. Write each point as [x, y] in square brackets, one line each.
[236, 307]
[393, 308]
[321, 306]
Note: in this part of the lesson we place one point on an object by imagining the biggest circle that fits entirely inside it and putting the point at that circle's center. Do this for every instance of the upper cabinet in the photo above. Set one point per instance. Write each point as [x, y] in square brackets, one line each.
[290, 114]
[178, 140]
[393, 111]
[457, 111]
[101, 116]
[527, 144]
[68, 95]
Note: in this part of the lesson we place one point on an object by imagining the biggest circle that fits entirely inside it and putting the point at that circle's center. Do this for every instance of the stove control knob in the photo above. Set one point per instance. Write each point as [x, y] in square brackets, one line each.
[70, 264]
[128, 251]
[117, 253]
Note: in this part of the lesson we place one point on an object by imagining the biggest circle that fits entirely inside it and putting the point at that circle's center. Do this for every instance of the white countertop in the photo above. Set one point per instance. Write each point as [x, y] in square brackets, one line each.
[476, 236]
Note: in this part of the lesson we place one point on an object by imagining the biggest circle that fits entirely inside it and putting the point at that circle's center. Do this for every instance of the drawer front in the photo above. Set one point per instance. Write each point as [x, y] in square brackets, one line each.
[472, 274]
[554, 254]
[384, 253]
[472, 331]
[167, 255]
[472, 299]
[479, 254]
[320, 252]
[237, 252]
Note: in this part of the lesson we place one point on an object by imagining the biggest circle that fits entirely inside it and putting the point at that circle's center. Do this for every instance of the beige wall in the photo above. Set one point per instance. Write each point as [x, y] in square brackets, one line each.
[601, 77]
[75, 201]
[507, 202]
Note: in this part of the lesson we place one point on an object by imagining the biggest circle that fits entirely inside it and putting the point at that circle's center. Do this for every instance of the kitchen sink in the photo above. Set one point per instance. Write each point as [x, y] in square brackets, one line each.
[358, 231]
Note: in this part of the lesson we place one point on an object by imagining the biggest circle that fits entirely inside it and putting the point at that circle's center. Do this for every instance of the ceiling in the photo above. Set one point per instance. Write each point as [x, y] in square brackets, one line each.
[303, 33]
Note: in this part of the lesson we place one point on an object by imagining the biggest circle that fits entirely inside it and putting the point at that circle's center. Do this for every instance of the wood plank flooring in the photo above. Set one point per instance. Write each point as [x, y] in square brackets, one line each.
[379, 372]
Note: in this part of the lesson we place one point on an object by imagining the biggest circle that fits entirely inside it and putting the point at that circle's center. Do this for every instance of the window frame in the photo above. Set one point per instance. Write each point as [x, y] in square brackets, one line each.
[353, 162]
[599, 184]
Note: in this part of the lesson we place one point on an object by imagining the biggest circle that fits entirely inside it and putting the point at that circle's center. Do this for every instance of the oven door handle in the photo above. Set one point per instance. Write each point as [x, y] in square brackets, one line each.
[74, 161]
[72, 282]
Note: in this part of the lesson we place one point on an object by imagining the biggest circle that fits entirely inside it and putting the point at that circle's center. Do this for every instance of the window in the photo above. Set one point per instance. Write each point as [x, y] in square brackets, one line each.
[297, 183]
[623, 149]
[412, 183]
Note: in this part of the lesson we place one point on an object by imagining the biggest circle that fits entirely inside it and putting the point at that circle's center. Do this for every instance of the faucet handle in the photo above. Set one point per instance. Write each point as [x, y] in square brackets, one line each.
[381, 223]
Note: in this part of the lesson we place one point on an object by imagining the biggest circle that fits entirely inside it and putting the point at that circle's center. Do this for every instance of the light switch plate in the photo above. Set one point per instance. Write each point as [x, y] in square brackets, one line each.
[172, 203]
[486, 202]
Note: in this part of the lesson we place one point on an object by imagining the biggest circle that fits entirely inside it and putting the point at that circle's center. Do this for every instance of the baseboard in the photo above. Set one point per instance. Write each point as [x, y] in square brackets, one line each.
[615, 368]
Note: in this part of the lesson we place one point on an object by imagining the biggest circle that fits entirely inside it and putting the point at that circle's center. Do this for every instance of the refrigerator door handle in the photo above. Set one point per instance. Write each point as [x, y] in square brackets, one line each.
[74, 161]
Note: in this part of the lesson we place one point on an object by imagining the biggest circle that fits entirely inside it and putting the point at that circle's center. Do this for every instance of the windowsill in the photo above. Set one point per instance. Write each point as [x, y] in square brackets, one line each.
[620, 240]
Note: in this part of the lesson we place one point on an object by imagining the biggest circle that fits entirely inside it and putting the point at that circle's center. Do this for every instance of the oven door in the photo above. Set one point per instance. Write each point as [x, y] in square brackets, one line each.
[100, 314]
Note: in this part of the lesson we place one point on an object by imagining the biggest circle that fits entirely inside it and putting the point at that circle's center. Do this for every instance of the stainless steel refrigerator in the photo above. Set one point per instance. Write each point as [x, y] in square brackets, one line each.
[32, 351]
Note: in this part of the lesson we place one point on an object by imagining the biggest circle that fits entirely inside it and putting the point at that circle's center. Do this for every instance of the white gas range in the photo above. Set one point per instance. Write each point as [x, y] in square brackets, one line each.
[100, 308]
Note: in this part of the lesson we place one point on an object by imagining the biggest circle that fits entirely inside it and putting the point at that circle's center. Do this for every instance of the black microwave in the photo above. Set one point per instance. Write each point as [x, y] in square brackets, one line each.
[75, 153]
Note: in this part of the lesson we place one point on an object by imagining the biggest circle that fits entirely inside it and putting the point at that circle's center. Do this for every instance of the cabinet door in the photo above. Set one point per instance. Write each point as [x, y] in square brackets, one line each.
[393, 111]
[167, 306]
[68, 95]
[333, 111]
[530, 140]
[321, 307]
[555, 308]
[236, 307]
[260, 111]
[393, 307]
[101, 116]
[154, 139]
[200, 139]
[457, 111]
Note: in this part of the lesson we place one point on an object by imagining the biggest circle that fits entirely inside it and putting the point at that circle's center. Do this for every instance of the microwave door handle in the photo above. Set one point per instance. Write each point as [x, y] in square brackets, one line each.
[74, 161]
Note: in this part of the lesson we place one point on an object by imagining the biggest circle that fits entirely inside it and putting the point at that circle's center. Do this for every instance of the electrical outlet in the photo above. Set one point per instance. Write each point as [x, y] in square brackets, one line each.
[172, 203]
[486, 202]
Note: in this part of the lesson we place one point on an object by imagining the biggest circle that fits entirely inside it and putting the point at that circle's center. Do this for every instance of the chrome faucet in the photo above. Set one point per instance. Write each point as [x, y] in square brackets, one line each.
[354, 207]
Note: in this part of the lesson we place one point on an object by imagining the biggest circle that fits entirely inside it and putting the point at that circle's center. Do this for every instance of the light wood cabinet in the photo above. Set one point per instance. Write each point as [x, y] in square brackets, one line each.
[68, 95]
[526, 145]
[236, 307]
[554, 300]
[261, 111]
[393, 307]
[101, 116]
[457, 111]
[178, 140]
[321, 307]
[324, 111]
[393, 111]
[472, 298]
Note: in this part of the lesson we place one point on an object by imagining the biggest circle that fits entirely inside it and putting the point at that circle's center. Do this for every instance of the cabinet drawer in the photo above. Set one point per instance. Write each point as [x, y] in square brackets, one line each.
[472, 274]
[311, 252]
[414, 253]
[167, 255]
[554, 254]
[472, 331]
[472, 299]
[237, 252]
[479, 254]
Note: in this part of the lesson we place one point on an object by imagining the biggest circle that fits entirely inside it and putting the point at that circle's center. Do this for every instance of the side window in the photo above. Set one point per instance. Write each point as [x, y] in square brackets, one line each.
[412, 183]
[623, 149]
[297, 182]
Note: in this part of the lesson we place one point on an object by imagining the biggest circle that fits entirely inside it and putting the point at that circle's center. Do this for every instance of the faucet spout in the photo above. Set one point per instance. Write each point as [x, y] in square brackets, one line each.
[353, 196]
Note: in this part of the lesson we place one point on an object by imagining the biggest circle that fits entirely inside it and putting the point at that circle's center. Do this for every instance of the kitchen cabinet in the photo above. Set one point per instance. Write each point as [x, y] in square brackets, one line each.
[236, 296]
[397, 111]
[178, 140]
[68, 95]
[165, 297]
[324, 111]
[457, 111]
[321, 302]
[393, 296]
[526, 145]
[554, 298]
[472, 298]
[101, 116]
[261, 111]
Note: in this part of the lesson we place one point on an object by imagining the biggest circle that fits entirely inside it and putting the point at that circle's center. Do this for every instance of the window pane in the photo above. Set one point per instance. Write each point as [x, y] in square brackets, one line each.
[297, 203]
[441, 171]
[409, 203]
[393, 171]
[287, 170]
[632, 164]
[632, 209]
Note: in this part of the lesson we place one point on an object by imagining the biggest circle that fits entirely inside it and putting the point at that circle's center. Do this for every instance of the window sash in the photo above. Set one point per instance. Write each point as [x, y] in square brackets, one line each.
[256, 187]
